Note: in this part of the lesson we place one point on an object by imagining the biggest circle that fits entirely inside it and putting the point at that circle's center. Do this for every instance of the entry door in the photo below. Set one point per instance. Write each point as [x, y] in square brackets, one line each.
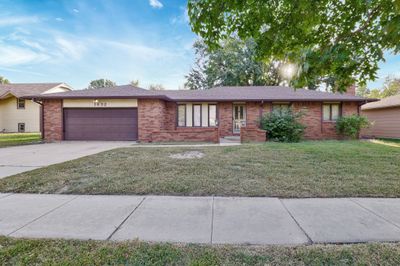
[239, 117]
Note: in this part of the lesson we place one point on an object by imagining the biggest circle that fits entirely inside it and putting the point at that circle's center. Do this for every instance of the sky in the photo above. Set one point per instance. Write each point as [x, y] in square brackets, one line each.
[76, 41]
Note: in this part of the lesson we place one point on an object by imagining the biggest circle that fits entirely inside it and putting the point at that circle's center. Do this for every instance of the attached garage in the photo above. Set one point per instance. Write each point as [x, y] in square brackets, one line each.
[118, 124]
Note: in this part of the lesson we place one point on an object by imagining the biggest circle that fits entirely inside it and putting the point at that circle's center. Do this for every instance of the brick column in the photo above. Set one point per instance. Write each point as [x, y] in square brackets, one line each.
[52, 120]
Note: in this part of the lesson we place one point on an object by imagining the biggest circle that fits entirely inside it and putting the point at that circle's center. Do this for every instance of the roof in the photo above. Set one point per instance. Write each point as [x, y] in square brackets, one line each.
[26, 89]
[243, 93]
[388, 102]
[117, 92]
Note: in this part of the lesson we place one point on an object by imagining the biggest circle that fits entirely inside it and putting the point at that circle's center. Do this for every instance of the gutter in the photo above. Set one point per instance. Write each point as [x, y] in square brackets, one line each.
[41, 116]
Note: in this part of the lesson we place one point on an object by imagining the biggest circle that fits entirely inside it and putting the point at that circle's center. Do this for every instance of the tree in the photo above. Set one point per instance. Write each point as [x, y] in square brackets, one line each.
[3, 80]
[391, 87]
[234, 63]
[101, 83]
[363, 91]
[332, 42]
[156, 87]
[135, 83]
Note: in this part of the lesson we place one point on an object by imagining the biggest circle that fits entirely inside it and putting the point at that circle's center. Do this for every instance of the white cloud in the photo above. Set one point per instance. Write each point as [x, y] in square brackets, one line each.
[156, 3]
[138, 50]
[183, 18]
[15, 20]
[60, 19]
[75, 10]
[72, 49]
[14, 55]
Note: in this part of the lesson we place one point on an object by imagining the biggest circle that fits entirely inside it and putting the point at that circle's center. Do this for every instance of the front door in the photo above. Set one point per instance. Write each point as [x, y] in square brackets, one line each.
[239, 117]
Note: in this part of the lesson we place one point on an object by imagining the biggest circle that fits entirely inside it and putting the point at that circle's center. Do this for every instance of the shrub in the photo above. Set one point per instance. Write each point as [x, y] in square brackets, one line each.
[283, 125]
[350, 126]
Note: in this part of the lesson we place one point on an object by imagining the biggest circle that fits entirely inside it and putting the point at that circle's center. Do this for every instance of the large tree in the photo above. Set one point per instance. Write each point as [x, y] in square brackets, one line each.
[390, 87]
[101, 83]
[333, 42]
[233, 63]
[3, 80]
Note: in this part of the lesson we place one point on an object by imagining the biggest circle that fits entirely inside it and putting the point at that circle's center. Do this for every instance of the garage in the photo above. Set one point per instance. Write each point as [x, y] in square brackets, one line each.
[118, 124]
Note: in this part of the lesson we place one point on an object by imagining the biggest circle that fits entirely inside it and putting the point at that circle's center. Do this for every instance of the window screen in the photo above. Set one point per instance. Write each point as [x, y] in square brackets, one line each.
[197, 115]
[182, 115]
[212, 115]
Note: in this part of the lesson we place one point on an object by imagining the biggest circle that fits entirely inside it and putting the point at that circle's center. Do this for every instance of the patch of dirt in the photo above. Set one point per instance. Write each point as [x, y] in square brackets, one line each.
[187, 155]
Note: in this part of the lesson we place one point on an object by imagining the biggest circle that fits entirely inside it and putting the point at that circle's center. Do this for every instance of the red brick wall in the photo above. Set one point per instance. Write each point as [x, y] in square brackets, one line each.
[157, 123]
[253, 114]
[170, 115]
[225, 119]
[311, 118]
[187, 134]
[150, 117]
[252, 135]
[316, 128]
[53, 120]
[350, 108]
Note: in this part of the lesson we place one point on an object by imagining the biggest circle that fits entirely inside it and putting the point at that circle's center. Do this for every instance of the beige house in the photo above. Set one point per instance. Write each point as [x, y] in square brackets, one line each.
[19, 115]
[384, 116]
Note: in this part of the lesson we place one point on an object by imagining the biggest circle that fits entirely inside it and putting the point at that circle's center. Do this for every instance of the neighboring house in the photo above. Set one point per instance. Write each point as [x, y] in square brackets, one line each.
[384, 117]
[18, 114]
[131, 113]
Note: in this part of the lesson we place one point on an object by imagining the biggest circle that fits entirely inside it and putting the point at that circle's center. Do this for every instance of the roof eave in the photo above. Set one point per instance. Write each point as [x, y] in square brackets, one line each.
[51, 97]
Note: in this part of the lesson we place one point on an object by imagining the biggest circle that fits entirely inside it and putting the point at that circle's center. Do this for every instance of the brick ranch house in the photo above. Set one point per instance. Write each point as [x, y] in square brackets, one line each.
[131, 113]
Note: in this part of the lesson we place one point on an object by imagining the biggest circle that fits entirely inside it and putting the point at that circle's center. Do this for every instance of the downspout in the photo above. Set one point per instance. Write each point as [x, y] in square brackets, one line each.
[41, 116]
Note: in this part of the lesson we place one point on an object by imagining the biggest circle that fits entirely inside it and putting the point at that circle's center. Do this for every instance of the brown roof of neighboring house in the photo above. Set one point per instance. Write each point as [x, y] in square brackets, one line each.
[388, 102]
[124, 91]
[26, 89]
[245, 93]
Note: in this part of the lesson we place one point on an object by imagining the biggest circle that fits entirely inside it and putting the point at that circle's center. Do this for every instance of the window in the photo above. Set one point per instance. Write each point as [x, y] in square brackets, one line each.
[212, 115]
[20, 103]
[331, 112]
[21, 127]
[181, 115]
[280, 106]
[196, 115]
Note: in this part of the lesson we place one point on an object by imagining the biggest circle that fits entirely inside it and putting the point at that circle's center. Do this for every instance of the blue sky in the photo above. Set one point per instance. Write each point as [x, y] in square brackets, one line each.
[78, 41]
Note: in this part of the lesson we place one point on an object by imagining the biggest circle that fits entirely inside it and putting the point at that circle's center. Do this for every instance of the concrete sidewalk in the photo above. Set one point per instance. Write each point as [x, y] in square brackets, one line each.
[211, 220]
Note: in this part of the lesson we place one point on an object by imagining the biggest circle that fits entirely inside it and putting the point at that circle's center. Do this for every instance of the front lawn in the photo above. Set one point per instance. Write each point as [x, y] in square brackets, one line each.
[70, 252]
[13, 139]
[307, 169]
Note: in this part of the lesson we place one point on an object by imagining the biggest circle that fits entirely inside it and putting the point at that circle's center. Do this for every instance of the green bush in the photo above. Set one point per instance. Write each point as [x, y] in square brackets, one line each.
[283, 125]
[350, 126]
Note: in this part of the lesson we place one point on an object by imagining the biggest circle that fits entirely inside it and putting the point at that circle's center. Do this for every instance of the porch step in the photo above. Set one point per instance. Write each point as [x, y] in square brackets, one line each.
[230, 139]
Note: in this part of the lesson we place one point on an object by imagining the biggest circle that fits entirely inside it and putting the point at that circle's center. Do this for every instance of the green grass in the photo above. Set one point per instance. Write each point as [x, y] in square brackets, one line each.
[307, 169]
[13, 139]
[71, 252]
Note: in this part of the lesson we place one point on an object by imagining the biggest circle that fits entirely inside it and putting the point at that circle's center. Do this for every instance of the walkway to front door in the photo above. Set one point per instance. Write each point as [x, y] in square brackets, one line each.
[239, 117]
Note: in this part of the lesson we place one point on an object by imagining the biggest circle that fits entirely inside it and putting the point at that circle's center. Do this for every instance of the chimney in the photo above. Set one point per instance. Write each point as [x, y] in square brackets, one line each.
[351, 90]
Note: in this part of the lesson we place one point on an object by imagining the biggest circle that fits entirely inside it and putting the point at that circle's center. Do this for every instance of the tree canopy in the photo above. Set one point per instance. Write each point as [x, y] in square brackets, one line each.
[3, 80]
[234, 63]
[391, 87]
[101, 83]
[135, 82]
[332, 42]
[156, 87]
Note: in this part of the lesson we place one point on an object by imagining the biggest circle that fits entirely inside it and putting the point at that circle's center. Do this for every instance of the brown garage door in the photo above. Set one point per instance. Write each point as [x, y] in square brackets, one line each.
[100, 124]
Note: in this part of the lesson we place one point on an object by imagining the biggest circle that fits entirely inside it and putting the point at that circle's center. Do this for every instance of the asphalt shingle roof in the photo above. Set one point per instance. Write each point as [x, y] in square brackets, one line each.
[388, 102]
[26, 89]
[250, 93]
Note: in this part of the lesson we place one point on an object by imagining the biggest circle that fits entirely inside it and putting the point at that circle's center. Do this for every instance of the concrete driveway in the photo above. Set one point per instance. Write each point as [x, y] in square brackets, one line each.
[14, 160]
